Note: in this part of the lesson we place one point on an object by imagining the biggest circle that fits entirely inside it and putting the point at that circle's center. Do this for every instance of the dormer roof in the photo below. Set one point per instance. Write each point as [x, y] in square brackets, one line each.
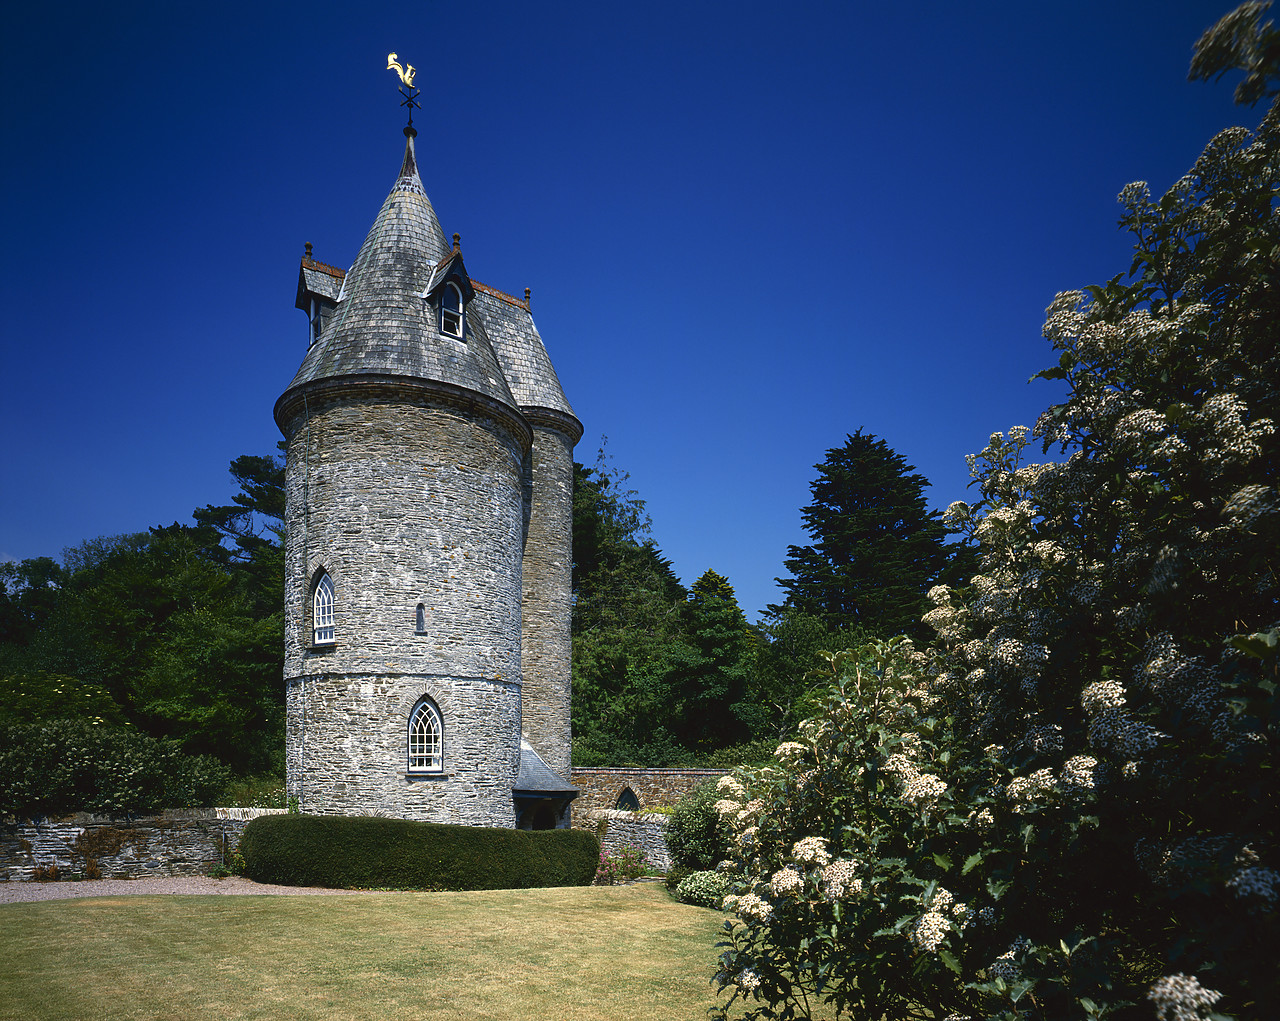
[382, 326]
[319, 280]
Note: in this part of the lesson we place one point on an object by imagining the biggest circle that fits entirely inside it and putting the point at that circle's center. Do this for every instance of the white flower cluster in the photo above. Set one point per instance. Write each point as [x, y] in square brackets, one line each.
[754, 908]
[729, 785]
[982, 820]
[1102, 695]
[923, 789]
[786, 882]
[790, 751]
[747, 979]
[930, 930]
[840, 879]
[811, 851]
[726, 807]
[1079, 776]
[750, 810]
[1181, 998]
[1024, 791]
[1247, 504]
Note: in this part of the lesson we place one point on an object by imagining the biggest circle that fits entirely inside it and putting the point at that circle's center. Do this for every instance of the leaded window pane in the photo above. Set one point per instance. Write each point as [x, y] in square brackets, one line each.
[426, 740]
[322, 611]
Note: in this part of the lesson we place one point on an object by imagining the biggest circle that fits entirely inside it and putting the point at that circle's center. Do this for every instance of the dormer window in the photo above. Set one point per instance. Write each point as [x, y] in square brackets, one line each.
[451, 310]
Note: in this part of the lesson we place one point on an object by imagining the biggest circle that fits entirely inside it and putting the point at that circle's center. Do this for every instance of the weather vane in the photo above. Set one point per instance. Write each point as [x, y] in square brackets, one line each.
[406, 86]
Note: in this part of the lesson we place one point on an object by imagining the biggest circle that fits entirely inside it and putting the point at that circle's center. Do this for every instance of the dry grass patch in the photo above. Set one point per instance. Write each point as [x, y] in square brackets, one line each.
[573, 954]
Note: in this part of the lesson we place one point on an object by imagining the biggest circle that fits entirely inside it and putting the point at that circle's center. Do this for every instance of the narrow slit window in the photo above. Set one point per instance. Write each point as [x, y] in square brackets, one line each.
[426, 739]
[420, 619]
[451, 310]
[322, 610]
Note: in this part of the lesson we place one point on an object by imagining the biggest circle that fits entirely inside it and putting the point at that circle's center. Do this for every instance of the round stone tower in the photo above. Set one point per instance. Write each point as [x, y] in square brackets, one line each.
[413, 484]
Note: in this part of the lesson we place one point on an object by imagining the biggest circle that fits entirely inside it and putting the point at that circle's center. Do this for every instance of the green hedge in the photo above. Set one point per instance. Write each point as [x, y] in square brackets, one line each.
[358, 852]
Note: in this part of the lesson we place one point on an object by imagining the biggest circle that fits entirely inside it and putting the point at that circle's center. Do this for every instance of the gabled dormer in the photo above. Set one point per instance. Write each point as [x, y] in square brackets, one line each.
[319, 288]
[448, 293]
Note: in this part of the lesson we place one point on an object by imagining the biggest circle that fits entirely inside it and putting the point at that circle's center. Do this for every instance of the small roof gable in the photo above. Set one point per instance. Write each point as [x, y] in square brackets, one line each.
[449, 268]
[318, 279]
[537, 779]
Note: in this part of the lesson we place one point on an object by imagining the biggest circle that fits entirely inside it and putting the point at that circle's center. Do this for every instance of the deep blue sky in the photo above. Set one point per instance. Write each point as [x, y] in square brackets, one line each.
[749, 229]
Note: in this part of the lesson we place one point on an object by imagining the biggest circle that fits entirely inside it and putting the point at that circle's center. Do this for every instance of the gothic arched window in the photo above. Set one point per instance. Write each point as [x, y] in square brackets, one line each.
[451, 310]
[426, 738]
[322, 609]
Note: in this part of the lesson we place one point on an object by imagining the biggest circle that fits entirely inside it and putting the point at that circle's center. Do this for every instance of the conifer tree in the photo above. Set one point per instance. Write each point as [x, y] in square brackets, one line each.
[876, 550]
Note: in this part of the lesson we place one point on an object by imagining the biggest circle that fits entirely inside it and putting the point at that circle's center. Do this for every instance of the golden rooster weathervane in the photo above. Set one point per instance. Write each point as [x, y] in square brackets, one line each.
[406, 87]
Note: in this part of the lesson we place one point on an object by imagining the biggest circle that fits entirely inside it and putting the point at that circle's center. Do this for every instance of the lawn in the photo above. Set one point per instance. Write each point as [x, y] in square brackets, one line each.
[575, 954]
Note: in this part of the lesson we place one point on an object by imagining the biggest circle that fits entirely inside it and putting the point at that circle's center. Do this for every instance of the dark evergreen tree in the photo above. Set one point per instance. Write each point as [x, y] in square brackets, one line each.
[877, 549]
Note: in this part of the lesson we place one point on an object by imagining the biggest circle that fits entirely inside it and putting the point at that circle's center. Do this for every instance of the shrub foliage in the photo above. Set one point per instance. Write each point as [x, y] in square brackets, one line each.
[1066, 806]
[66, 766]
[348, 853]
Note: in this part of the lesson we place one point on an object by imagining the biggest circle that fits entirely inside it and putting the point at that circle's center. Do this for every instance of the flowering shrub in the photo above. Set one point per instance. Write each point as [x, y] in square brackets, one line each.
[626, 862]
[1066, 806]
[704, 889]
[77, 766]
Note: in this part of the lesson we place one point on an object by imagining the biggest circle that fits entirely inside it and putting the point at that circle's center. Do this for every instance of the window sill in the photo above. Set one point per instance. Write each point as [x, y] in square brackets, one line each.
[427, 776]
[322, 649]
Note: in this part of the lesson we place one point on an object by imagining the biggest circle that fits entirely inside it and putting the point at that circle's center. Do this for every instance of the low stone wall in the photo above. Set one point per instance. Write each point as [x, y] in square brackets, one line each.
[616, 829]
[189, 842]
[601, 785]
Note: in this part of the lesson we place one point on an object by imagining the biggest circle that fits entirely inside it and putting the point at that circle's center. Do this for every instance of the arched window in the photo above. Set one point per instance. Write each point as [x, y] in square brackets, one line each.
[426, 738]
[451, 310]
[420, 619]
[322, 610]
[627, 800]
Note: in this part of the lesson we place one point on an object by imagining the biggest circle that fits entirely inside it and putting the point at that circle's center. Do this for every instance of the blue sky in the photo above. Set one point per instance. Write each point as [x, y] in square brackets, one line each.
[749, 229]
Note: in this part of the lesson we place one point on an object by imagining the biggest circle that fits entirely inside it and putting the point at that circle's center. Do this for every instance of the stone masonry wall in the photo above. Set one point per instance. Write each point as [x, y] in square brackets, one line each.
[547, 600]
[600, 786]
[178, 843]
[404, 498]
[346, 747]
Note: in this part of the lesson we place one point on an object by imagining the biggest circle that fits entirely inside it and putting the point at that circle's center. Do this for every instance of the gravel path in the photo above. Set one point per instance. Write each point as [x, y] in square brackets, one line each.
[13, 892]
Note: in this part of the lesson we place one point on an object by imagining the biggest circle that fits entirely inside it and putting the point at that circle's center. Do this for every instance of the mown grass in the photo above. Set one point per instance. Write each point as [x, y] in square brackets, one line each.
[575, 954]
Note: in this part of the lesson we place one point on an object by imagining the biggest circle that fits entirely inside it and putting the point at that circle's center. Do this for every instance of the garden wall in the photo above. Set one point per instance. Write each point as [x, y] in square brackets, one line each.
[616, 829]
[187, 842]
[601, 786]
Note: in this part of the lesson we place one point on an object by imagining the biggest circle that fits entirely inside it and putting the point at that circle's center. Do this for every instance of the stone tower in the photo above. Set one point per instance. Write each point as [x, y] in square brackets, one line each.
[429, 472]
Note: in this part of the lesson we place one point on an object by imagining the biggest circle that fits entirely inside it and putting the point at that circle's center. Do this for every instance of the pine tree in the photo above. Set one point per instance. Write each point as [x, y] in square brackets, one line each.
[876, 548]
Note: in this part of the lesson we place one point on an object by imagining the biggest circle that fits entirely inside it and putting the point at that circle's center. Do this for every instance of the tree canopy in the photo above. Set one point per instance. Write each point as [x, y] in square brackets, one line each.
[876, 548]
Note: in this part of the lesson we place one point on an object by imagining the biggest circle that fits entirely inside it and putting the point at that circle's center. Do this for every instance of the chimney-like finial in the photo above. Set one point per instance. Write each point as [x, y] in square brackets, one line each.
[526, 295]
[308, 247]
[457, 242]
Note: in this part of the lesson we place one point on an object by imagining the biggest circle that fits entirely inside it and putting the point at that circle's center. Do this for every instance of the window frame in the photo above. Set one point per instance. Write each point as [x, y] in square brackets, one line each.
[420, 759]
[323, 601]
[460, 313]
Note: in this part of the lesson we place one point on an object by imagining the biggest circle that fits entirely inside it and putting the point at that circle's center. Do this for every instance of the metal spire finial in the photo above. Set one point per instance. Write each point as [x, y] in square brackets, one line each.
[406, 89]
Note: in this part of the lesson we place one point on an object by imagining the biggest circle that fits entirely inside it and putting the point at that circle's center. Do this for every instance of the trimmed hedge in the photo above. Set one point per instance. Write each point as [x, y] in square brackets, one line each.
[348, 852]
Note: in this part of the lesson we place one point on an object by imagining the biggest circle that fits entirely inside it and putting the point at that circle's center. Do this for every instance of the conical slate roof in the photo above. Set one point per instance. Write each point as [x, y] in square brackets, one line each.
[382, 326]
[523, 356]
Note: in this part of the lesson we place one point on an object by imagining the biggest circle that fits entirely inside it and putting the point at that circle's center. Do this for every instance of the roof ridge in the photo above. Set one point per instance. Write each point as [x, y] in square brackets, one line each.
[324, 267]
[503, 295]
